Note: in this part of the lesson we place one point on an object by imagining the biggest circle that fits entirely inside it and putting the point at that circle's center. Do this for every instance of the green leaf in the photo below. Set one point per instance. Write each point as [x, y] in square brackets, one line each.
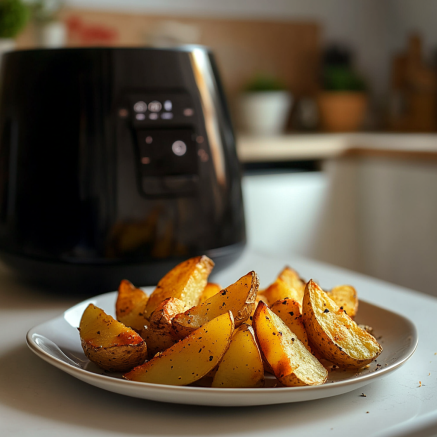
[13, 17]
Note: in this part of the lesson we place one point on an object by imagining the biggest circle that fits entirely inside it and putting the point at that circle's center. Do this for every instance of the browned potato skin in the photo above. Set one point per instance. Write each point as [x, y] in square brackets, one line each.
[186, 282]
[191, 358]
[289, 312]
[158, 332]
[130, 306]
[288, 357]
[108, 343]
[243, 292]
[345, 296]
[327, 341]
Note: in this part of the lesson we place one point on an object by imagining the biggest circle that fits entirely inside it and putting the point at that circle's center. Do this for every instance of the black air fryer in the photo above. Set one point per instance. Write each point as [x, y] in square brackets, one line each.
[115, 163]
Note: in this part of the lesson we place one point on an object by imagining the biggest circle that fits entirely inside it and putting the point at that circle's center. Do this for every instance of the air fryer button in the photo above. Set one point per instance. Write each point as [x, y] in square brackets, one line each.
[155, 106]
[140, 106]
[123, 113]
[179, 148]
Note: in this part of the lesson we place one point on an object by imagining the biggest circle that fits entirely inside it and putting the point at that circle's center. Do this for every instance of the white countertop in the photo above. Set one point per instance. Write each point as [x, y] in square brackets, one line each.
[37, 399]
[323, 146]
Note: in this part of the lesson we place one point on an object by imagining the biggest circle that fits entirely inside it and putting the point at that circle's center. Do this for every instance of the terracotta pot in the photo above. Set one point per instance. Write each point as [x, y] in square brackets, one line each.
[342, 111]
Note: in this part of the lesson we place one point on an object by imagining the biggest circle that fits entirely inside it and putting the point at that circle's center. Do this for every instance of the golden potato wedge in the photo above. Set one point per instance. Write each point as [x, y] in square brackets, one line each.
[333, 333]
[186, 282]
[292, 278]
[108, 343]
[158, 331]
[130, 306]
[241, 365]
[239, 298]
[288, 310]
[288, 357]
[287, 284]
[191, 358]
[209, 291]
[345, 296]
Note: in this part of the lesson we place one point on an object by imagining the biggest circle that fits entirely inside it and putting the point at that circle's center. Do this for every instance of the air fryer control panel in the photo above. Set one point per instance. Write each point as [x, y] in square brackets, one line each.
[168, 161]
[163, 126]
[169, 109]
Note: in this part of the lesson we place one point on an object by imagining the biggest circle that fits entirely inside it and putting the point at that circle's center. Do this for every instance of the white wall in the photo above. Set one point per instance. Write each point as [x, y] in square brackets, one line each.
[359, 23]
[375, 29]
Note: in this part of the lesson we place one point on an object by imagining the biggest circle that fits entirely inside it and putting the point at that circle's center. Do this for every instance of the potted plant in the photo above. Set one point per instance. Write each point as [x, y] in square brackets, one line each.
[343, 101]
[50, 31]
[264, 106]
[13, 17]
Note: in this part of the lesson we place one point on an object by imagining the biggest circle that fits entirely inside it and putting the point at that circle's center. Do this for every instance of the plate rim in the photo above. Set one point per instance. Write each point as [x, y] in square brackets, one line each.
[76, 371]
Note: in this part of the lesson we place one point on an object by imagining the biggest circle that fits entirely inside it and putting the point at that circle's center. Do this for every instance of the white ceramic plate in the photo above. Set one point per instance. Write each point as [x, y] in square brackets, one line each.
[57, 342]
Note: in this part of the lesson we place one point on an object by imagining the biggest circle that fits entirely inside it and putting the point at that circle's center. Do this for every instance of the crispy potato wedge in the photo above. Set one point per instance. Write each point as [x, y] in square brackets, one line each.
[241, 365]
[209, 291]
[191, 358]
[186, 282]
[108, 343]
[158, 331]
[288, 357]
[333, 333]
[288, 311]
[239, 298]
[130, 306]
[345, 296]
[292, 278]
[287, 284]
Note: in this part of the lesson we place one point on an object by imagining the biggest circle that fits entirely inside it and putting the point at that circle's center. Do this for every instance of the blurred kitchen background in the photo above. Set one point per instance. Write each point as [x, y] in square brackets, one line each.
[334, 104]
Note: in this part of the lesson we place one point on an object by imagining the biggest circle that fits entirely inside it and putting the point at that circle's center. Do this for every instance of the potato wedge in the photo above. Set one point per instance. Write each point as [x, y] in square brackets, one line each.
[209, 291]
[239, 298]
[288, 310]
[130, 306]
[158, 331]
[287, 284]
[288, 357]
[191, 358]
[241, 365]
[333, 333]
[186, 282]
[345, 296]
[108, 343]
